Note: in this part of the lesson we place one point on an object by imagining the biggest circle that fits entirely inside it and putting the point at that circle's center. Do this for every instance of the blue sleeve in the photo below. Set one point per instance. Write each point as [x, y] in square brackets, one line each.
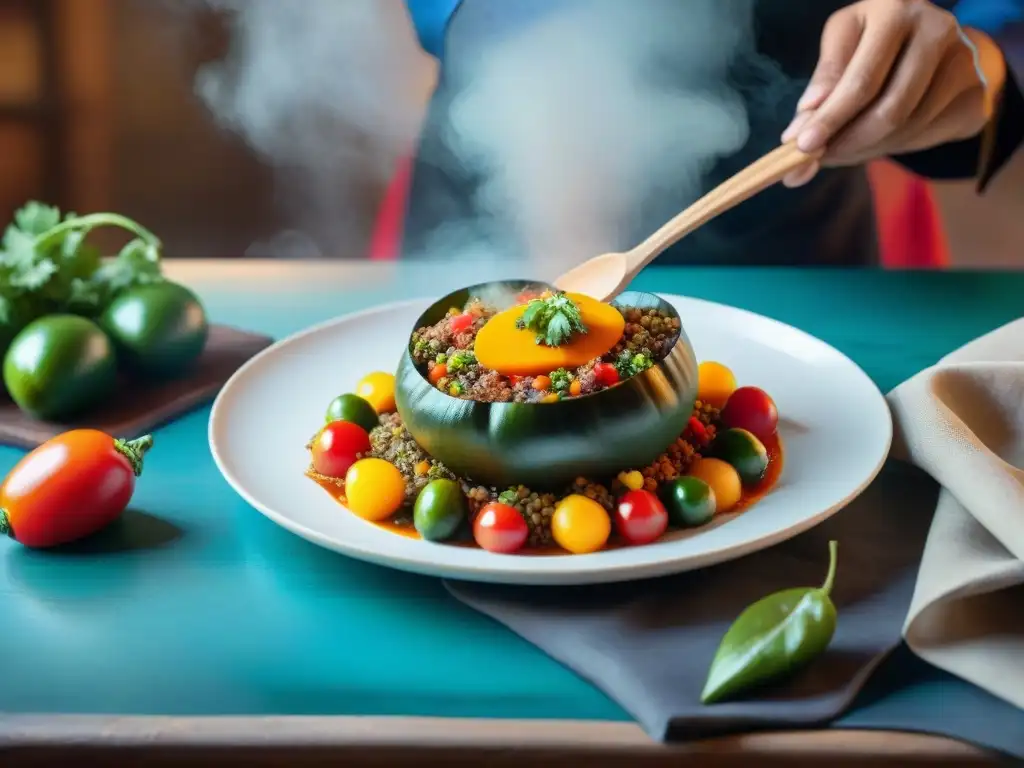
[990, 16]
[430, 19]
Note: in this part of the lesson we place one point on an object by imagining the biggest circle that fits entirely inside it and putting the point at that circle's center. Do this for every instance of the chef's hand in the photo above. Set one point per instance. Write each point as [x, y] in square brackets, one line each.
[894, 76]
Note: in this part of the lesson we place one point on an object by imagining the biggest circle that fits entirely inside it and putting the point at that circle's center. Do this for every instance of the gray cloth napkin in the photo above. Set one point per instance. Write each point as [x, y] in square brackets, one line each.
[941, 564]
[962, 421]
[649, 644]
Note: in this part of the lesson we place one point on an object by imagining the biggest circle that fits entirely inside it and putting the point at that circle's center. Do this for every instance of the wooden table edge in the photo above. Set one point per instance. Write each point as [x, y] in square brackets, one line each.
[427, 733]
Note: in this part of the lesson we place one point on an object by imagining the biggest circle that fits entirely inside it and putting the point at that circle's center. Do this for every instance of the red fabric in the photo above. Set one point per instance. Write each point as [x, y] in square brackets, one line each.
[386, 240]
[909, 224]
[910, 228]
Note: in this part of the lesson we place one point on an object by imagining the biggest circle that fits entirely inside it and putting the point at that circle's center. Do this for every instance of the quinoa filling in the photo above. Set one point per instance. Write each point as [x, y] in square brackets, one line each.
[444, 353]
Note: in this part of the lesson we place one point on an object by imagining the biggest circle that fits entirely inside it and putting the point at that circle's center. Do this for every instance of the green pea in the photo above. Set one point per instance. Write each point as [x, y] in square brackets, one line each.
[744, 452]
[773, 638]
[690, 502]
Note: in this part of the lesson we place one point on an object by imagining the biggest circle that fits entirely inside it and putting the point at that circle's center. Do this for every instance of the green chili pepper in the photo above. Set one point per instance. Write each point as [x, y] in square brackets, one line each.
[774, 637]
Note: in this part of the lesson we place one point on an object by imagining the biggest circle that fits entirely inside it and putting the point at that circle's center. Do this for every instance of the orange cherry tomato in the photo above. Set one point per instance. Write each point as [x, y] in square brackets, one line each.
[70, 487]
[715, 382]
[542, 383]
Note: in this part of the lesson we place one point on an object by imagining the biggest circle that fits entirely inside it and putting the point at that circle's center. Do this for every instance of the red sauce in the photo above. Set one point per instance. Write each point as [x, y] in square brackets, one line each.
[750, 497]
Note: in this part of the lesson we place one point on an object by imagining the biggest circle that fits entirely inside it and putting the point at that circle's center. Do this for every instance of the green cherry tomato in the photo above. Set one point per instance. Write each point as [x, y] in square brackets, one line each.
[690, 502]
[744, 452]
[159, 329]
[440, 510]
[60, 366]
[352, 408]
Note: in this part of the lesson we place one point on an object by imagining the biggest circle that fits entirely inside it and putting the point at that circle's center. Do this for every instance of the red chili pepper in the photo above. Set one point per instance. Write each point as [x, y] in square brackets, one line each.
[70, 487]
[606, 374]
[700, 432]
[513, 379]
[462, 323]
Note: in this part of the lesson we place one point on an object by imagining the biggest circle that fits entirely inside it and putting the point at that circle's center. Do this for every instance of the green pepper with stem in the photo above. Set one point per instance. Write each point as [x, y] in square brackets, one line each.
[773, 638]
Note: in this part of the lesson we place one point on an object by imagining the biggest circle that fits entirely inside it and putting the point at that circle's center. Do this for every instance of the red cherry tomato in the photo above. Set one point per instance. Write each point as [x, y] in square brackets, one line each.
[462, 323]
[70, 487]
[640, 517]
[751, 409]
[500, 528]
[337, 448]
[606, 374]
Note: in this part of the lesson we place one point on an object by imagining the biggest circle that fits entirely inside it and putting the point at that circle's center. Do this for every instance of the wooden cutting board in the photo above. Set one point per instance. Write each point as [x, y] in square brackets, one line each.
[137, 410]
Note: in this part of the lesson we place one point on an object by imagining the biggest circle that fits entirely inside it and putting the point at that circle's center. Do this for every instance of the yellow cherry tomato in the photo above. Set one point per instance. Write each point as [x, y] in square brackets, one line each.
[580, 525]
[715, 383]
[724, 481]
[378, 389]
[374, 489]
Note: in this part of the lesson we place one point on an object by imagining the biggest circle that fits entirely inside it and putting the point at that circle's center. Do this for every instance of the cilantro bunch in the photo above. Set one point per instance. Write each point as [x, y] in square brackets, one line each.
[46, 265]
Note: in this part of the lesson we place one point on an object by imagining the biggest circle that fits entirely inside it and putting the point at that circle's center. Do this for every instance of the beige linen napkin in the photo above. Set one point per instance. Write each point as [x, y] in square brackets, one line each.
[962, 421]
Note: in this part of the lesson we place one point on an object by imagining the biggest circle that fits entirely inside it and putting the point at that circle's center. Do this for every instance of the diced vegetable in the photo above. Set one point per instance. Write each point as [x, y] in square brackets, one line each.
[607, 374]
[461, 323]
[437, 373]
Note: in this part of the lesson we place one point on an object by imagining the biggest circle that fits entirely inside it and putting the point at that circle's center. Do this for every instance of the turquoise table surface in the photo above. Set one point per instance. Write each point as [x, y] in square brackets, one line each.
[195, 604]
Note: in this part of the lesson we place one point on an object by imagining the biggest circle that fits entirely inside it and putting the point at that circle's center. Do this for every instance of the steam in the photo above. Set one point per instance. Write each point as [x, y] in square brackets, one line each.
[582, 120]
[330, 92]
[590, 125]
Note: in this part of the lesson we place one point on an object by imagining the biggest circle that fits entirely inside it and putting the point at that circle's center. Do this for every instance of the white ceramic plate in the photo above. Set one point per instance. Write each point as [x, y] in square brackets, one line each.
[835, 426]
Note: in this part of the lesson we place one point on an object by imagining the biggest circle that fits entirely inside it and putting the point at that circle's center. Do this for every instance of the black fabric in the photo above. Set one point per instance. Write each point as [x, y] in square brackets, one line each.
[829, 222]
[649, 644]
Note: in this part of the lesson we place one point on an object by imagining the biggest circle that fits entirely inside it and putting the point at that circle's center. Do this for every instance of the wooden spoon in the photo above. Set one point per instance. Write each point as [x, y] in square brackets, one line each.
[605, 277]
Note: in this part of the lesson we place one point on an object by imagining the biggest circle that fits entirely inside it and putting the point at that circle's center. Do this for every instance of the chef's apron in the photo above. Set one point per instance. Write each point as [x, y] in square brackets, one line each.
[828, 222]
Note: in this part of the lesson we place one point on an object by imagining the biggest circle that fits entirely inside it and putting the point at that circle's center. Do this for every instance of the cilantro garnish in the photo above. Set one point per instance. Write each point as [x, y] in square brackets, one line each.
[554, 319]
[47, 266]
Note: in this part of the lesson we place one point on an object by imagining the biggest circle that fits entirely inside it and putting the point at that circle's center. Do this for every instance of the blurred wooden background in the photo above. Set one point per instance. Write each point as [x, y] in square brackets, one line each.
[97, 111]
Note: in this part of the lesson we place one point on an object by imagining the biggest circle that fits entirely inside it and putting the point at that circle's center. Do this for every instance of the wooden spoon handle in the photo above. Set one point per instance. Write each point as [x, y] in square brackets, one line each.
[759, 175]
